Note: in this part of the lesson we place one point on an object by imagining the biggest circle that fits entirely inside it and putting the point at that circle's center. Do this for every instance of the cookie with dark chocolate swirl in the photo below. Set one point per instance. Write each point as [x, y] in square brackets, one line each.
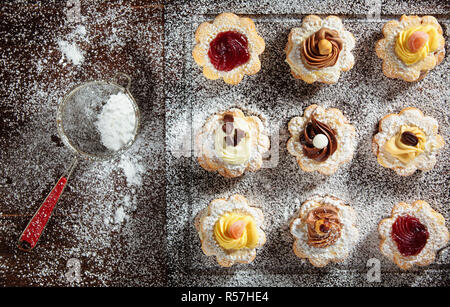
[313, 129]
[321, 140]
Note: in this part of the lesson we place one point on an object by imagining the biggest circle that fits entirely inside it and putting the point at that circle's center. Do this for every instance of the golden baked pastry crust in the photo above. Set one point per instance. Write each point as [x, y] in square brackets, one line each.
[392, 66]
[207, 31]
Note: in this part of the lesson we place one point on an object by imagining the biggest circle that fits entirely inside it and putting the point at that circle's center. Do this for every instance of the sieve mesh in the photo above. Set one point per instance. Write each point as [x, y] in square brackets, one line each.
[78, 114]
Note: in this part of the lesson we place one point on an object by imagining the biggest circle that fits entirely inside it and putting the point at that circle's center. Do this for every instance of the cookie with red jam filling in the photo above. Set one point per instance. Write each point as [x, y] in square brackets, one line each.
[228, 48]
[413, 234]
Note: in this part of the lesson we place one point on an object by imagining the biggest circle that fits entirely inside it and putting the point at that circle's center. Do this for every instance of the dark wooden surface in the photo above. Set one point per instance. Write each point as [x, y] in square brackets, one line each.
[124, 36]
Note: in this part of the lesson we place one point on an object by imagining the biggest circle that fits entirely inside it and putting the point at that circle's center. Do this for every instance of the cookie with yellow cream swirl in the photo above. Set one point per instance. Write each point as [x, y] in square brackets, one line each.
[230, 229]
[231, 143]
[411, 47]
[407, 141]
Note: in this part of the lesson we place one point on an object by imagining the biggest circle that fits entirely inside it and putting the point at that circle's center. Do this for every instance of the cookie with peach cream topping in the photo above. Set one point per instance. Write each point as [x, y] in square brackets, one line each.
[411, 47]
[230, 229]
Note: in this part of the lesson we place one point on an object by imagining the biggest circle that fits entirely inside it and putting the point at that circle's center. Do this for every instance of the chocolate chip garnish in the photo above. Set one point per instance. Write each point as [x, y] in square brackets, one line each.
[409, 138]
[228, 127]
[238, 136]
[228, 118]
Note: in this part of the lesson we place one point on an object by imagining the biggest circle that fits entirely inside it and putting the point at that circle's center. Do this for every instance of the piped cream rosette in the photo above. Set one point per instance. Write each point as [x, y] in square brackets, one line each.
[320, 59]
[324, 230]
[231, 143]
[230, 229]
[411, 47]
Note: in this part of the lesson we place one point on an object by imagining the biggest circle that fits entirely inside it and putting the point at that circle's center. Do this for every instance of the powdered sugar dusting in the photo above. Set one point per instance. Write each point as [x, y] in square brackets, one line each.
[108, 218]
[137, 251]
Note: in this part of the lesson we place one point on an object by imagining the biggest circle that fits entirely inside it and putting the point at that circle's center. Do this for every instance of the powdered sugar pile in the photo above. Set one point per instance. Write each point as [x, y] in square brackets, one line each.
[71, 52]
[117, 122]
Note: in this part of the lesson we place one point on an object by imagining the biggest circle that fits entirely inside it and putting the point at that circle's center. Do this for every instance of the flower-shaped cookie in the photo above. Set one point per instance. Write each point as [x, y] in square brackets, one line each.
[411, 47]
[324, 230]
[230, 229]
[231, 143]
[321, 140]
[228, 48]
[413, 234]
[407, 141]
[320, 50]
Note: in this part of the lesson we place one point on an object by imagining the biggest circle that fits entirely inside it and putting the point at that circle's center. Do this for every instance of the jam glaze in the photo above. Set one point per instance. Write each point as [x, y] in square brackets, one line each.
[409, 234]
[228, 50]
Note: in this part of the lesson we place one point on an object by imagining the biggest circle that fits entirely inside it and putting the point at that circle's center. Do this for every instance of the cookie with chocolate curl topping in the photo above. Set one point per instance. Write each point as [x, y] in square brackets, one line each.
[324, 230]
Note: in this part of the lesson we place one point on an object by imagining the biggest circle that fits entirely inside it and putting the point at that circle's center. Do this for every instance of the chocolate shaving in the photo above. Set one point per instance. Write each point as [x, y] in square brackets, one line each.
[238, 136]
[228, 118]
[229, 140]
[228, 127]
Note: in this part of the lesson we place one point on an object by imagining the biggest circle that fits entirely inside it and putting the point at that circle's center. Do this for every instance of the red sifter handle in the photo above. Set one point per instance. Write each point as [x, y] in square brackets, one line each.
[31, 234]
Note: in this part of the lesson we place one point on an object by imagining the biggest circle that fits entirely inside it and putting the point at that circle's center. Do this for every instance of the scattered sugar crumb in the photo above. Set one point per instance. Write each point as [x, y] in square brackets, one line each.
[71, 52]
[132, 169]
